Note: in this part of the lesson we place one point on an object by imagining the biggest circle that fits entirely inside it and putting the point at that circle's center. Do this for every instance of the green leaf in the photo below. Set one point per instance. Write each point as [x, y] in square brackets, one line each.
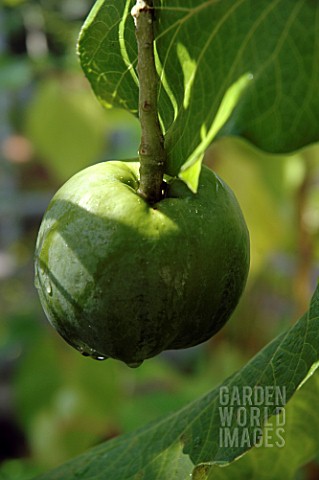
[299, 443]
[108, 54]
[284, 364]
[204, 48]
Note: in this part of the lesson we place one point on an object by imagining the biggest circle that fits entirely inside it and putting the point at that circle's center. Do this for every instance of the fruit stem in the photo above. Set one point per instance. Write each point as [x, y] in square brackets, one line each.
[151, 150]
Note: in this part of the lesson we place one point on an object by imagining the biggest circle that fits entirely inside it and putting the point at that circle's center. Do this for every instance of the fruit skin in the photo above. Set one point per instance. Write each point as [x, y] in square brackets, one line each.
[120, 278]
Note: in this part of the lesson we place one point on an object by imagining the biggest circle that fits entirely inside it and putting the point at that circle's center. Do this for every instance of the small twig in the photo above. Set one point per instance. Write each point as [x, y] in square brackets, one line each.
[151, 150]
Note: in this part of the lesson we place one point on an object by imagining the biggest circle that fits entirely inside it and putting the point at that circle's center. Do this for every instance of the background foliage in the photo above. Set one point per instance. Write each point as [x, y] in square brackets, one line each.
[55, 404]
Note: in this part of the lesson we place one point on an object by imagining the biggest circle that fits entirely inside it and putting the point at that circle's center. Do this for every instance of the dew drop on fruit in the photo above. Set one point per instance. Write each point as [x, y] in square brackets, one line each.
[46, 282]
[134, 364]
[85, 354]
[100, 357]
[82, 350]
[48, 287]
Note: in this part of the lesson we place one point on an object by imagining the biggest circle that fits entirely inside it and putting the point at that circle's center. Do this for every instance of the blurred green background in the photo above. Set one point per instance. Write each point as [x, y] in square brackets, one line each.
[54, 403]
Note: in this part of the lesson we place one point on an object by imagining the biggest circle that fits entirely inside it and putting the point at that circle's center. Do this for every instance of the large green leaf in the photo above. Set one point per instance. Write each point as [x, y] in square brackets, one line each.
[299, 443]
[158, 450]
[227, 67]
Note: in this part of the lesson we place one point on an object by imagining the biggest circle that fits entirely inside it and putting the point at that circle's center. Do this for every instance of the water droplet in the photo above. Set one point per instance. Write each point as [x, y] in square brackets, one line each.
[134, 364]
[100, 357]
[46, 282]
[82, 350]
[48, 287]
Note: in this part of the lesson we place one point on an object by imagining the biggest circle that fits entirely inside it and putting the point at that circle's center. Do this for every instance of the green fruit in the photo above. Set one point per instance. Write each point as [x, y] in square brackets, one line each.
[120, 278]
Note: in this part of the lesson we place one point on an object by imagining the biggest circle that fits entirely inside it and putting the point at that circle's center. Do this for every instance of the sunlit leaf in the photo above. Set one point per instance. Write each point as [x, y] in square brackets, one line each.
[203, 49]
[295, 431]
